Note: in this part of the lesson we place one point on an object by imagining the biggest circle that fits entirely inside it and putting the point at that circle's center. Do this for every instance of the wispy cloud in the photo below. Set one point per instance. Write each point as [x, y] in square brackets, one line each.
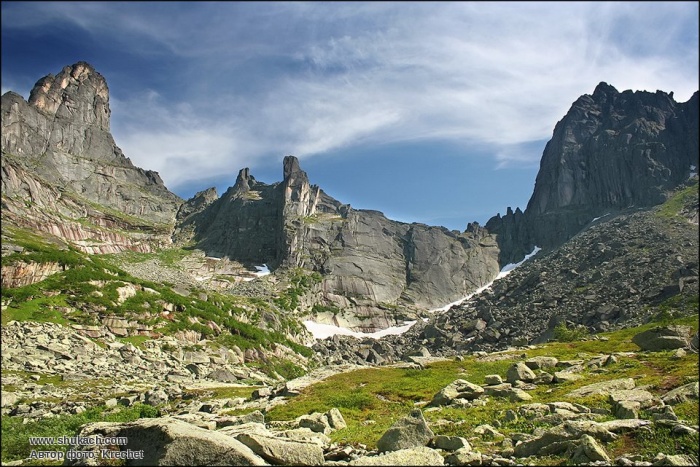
[249, 81]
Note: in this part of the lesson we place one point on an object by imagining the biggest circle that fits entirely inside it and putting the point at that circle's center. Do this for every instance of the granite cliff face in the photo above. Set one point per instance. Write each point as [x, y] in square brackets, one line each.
[370, 265]
[63, 173]
[613, 150]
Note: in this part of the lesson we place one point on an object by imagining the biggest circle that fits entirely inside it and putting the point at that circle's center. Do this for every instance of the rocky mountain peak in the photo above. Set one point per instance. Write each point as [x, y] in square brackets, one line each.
[58, 153]
[604, 89]
[78, 93]
[244, 181]
[611, 151]
[291, 167]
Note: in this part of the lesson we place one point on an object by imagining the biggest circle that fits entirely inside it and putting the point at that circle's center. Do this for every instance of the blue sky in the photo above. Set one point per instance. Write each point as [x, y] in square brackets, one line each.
[429, 112]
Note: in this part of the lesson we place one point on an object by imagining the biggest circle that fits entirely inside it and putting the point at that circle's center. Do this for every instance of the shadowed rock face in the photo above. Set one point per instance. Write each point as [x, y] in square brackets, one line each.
[366, 259]
[62, 136]
[613, 150]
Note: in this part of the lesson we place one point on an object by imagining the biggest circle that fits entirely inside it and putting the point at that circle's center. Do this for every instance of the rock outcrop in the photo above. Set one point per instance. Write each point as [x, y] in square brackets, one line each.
[613, 150]
[370, 265]
[63, 174]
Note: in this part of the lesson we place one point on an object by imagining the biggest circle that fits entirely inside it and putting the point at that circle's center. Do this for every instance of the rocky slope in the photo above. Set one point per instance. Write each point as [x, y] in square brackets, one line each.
[612, 151]
[63, 174]
[617, 273]
[370, 265]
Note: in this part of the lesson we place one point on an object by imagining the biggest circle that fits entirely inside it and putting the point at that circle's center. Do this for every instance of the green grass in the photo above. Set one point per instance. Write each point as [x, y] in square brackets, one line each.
[75, 289]
[371, 399]
[16, 433]
[40, 309]
[672, 207]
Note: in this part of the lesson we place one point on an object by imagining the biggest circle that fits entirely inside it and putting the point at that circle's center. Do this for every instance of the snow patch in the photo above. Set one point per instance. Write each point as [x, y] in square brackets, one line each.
[693, 172]
[503, 273]
[596, 218]
[261, 271]
[321, 331]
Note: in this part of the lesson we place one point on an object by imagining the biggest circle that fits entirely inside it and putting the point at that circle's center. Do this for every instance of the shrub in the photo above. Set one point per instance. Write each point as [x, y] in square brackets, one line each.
[564, 334]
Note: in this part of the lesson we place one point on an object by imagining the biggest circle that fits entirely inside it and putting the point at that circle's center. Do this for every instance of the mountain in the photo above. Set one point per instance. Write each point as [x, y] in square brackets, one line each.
[612, 151]
[63, 174]
[375, 272]
[120, 301]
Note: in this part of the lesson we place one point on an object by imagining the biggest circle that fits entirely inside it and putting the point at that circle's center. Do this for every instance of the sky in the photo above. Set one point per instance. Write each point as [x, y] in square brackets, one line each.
[433, 112]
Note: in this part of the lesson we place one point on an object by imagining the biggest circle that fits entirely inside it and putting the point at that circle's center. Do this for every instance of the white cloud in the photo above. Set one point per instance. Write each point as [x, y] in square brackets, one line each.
[252, 80]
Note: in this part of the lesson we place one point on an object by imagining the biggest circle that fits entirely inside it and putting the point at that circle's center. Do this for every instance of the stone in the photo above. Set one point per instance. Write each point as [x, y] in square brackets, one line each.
[493, 379]
[415, 456]
[464, 457]
[627, 409]
[664, 338]
[673, 459]
[166, 441]
[487, 431]
[253, 417]
[306, 435]
[604, 387]
[642, 397]
[316, 422]
[681, 394]
[156, 397]
[543, 378]
[407, 432]
[624, 425]
[564, 376]
[558, 439]
[335, 419]
[223, 375]
[541, 363]
[283, 451]
[458, 389]
[520, 372]
[450, 443]
[9, 399]
[589, 450]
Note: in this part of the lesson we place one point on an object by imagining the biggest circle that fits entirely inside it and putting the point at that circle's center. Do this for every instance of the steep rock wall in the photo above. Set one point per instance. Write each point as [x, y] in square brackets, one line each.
[612, 151]
[371, 266]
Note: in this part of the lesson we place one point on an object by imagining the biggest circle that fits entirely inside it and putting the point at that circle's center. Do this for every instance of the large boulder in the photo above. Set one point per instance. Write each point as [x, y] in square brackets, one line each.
[458, 389]
[589, 451]
[664, 338]
[325, 423]
[420, 455]
[681, 394]
[520, 372]
[541, 362]
[555, 441]
[283, 451]
[408, 432]
[604, 387]
[163, 441]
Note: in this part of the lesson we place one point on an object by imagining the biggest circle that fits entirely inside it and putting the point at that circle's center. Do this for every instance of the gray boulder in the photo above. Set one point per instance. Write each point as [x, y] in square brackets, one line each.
[408, 432]
[283, 451]
[664, 338]
[589, 451]
[541, 363]
[166, 441]
[604, 387]
[419, 455]
[681, 394]
[520, 372]
[554, 441]
[450, 443]
[458, 389]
